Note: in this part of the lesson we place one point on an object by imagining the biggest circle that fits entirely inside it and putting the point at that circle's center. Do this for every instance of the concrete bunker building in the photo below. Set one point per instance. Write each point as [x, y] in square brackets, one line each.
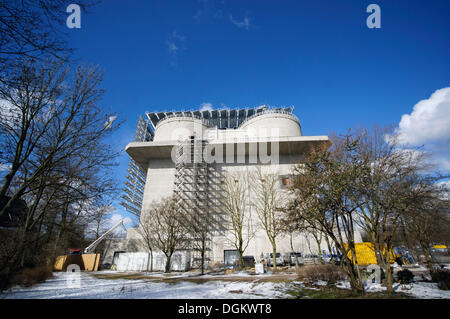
[220, 141]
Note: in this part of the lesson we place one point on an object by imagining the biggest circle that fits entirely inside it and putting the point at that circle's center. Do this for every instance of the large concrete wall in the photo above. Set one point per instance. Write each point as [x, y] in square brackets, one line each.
[160, 183]
[120, 244]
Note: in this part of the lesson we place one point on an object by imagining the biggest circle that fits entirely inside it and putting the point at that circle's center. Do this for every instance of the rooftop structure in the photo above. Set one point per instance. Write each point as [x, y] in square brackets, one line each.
[222, 119]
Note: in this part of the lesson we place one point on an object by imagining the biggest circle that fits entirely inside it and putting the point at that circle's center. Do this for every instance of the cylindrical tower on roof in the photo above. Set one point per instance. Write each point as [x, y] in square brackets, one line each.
[268, 123]
[179, 127]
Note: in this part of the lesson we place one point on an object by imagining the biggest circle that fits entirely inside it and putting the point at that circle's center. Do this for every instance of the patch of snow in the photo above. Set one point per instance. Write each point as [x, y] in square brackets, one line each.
[320, 283]
[343, 284]
[425, 290]
[373, 287]
[94, 288]
[422, 290]
[296, 282]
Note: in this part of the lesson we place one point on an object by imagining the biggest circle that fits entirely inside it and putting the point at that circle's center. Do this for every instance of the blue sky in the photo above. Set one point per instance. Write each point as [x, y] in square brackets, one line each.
[318, 56]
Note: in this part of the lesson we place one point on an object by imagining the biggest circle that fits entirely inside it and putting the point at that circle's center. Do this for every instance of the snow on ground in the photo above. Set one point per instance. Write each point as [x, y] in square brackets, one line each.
[422, 290]
[62, 286]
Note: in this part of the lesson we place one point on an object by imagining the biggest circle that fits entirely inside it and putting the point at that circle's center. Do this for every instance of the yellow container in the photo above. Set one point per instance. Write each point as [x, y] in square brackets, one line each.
[365, 254]
[86, 262]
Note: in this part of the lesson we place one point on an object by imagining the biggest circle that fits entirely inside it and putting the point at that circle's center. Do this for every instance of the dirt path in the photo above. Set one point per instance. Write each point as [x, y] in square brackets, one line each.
[171, 278]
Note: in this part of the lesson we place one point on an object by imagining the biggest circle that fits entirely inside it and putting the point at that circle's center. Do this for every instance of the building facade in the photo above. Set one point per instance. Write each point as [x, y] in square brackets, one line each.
[189, 154]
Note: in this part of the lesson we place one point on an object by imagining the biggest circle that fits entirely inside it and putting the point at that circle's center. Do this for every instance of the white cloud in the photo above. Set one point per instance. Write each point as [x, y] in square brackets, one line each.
[206, 106]
[245, 24]
[446, 187]
[209, 9]
[110, 219]
[114, 219]
[9, 114]
[429, 120]
[172, 47]
[429, 125]
[445, 184]
[175, 45]
[177, 36]
[5, 167]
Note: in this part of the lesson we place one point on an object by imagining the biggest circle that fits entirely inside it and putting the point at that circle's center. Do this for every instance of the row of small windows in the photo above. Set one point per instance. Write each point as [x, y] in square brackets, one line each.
[285, 180]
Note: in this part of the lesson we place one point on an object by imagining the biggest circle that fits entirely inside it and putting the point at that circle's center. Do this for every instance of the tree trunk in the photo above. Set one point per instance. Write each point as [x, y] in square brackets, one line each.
[202, 262]
[151, 260]
[355, 269]
[379, 254]
[292, 248]
[389, 288]
[168, 257]
[388, 270]
[241, 261]
[319, 248]
[377, 248]
[428, 257]
[352, 274]
[274, 257]
[241, 253]
[356, 284]
[330, 251]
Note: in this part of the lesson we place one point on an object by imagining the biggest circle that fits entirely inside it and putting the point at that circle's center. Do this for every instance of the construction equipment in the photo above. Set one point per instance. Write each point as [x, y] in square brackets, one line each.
[91, 247]
[94, 244]
[85, 259]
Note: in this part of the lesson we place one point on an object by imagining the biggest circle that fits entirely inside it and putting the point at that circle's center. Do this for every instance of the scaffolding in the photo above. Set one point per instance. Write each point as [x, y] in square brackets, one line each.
[196, 191]
[136, 177]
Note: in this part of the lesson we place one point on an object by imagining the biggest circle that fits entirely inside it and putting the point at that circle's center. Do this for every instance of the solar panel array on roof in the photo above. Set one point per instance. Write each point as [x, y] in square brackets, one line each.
[223, 119]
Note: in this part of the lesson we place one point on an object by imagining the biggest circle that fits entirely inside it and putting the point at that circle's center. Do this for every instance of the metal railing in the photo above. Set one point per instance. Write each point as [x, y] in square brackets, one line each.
[270, 111]
[171, 116]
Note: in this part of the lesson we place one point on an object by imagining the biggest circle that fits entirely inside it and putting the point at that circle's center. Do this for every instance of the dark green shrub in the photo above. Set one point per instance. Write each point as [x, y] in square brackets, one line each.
[405, 276]
[442, 278]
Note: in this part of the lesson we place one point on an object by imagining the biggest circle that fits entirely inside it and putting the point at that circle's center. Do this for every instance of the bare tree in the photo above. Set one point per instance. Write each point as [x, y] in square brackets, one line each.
[54, 138]
[390, 181]
[369, 180]
[58, 125]
[320, 188]
[146, 230]
[426, 219]
[236, 201]
[291, 227]
[33, 29]
[268, 202]
[161, 229]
